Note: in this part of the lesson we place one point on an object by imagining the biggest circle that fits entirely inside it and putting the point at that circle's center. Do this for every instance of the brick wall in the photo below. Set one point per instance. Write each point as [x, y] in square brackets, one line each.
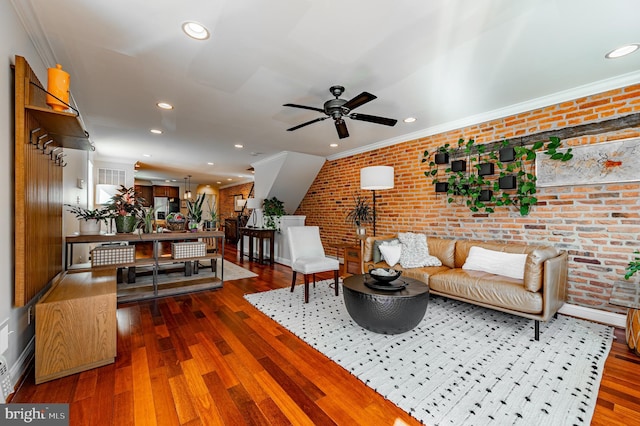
[226, 199]
[599, 225]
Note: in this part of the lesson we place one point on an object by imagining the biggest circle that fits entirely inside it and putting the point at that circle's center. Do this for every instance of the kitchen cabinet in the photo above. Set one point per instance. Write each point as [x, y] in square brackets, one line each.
[146, 192]
[166, 191]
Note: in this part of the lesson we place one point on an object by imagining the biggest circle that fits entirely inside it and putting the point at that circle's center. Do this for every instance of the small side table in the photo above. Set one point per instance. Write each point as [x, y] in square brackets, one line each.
[627, 294]
[260, 234]
[351, 256]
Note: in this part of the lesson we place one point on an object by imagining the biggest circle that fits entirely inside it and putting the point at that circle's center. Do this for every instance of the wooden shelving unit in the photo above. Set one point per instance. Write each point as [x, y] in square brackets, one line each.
[63, 127]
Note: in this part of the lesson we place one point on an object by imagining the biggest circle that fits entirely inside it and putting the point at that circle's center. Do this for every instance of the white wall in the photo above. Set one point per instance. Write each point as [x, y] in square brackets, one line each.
[13, 41]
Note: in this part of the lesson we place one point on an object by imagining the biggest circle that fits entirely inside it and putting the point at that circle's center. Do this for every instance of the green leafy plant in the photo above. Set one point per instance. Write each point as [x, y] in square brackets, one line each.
[126, 203]
[272, 209]
[89, 214]
[633, 266]
[468, 186]
[147, 220]
[360, 213]
[194, 211]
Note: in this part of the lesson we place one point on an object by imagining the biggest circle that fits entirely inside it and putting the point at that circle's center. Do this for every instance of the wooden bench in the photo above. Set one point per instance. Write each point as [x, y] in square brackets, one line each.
[76, 324]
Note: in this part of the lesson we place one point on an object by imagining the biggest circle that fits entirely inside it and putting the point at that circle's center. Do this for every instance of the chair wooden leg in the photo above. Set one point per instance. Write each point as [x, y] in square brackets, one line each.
[293, 280]
[306, 288]
[335, 281]
[314, 280]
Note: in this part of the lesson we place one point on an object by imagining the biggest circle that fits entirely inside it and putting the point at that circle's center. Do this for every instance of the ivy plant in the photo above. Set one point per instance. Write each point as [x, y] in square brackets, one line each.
[633, 266]
[468, 185]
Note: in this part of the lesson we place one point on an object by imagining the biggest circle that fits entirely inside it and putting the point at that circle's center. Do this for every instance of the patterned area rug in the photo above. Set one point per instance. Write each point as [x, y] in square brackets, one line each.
[463, 364]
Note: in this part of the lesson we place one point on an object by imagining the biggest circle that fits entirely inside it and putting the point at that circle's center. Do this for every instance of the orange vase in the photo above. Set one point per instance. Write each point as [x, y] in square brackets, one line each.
[58, 86]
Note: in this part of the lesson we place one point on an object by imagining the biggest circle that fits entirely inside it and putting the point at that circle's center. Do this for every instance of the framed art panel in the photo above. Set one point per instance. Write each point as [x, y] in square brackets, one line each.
[607, 162]
[238, 204]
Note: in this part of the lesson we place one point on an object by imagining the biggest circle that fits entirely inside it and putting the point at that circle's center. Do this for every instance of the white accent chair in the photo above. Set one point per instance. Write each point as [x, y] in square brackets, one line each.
[307, 257]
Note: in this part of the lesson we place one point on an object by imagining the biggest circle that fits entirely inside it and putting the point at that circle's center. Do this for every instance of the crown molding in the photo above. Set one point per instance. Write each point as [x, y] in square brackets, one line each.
[541, 102]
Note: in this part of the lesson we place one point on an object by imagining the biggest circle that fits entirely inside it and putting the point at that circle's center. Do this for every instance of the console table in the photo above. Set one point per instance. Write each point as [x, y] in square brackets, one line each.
[156, 259]
[260, 234]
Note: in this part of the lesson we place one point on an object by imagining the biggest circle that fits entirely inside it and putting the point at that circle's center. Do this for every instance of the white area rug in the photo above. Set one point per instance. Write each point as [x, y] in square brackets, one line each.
[463, 364]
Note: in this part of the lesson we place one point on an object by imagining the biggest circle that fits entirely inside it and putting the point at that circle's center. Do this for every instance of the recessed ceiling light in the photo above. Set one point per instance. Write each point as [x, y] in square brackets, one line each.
[210, 163]
[219, 183]
[239, 145]
[229, 179]
[333, 145]
[622, 51]
[164, 105]
[146, 155]
[195, 30]
[409, 120]
[156, 131]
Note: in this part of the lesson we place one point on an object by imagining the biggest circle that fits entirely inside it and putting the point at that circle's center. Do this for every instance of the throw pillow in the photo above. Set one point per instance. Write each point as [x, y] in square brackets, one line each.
[496, 262]
[391, 253]
[415, 251]
[377, 256]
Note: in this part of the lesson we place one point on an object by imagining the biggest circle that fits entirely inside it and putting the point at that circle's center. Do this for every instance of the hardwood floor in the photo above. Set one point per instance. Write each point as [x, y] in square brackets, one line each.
[211, 358]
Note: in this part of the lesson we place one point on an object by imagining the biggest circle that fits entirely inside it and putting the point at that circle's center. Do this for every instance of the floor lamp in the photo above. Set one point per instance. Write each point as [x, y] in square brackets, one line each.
[373, 178]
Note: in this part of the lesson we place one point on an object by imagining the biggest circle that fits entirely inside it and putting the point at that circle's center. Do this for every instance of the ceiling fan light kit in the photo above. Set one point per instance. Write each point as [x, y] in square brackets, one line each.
[339, 108]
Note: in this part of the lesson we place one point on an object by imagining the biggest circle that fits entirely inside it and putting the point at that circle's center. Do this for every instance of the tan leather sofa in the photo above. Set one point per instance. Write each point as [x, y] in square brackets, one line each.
[538, 296]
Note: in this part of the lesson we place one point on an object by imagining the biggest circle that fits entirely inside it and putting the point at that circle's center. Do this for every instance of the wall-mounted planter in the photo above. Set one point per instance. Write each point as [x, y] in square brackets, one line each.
[485, 169]
[442, 186]
[442, 158]
[459, 166]
[507, 154]
[507, 182]
[461, 189]
[485, 195]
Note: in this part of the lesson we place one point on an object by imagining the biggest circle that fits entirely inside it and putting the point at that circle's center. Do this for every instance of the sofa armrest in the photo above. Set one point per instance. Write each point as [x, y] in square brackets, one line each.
[554, 285]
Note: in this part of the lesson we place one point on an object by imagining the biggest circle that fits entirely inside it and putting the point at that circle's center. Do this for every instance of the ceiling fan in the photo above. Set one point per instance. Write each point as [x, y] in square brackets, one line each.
[338, 109]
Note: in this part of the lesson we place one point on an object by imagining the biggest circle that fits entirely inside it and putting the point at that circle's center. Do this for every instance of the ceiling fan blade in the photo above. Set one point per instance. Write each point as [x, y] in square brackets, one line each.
[307, 123]
[359, 100]
[374, 119]
[305, 107]
[341, 127]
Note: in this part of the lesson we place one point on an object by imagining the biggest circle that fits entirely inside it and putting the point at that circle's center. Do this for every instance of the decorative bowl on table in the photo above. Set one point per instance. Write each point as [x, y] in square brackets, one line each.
[384, 275]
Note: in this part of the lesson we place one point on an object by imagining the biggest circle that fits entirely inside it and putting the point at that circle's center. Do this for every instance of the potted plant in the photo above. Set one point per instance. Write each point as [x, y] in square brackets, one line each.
[194, 212]
[633, 266]
[272, 209]
[176, 221]
[360, 214]
[127, 209]
[147, 220]
[89, 219]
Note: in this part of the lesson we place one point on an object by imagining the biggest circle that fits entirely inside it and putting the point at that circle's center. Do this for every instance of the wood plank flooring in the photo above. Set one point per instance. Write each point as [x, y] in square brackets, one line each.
[210, 358]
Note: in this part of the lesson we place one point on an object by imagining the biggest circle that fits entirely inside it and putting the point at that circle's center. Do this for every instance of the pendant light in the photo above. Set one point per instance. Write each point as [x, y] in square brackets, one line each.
[186, 193]
[189, 190]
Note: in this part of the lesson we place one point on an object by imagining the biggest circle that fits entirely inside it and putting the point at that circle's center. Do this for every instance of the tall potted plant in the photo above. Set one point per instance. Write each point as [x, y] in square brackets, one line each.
[360, 214]
[126, 207]
[194, 212]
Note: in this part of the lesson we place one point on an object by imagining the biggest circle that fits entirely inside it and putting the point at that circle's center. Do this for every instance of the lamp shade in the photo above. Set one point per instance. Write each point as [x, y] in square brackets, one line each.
[376, 177]
[254, 203]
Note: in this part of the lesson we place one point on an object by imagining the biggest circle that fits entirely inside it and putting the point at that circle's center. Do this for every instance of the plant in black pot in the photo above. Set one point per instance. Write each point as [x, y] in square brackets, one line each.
[360, 214]
[273, 210]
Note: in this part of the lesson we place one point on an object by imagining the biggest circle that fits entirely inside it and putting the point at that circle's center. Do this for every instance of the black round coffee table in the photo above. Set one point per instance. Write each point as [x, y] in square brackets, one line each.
[385, 311]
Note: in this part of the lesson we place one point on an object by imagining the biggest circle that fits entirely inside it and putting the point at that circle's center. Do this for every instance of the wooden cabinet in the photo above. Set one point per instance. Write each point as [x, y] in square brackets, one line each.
[166, 191]
[76, 324]
[231, 230]
[146, 192]
[352, 260]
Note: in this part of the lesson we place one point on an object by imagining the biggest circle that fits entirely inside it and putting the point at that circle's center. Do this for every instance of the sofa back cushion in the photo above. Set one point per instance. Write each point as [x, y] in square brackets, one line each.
[443, 249]
[534, 267]
[367, 252]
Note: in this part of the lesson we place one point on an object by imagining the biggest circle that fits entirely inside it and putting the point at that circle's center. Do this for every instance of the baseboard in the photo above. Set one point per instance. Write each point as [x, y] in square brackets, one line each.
[596, 315]
[18, 371]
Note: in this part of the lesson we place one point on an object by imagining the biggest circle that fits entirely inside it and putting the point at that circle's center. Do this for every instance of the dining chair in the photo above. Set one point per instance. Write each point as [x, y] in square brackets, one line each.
[308, 257]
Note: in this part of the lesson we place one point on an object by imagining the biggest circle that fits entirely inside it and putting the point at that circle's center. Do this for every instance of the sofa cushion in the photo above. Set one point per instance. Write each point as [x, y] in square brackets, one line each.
[376, 255]
[415, 251]
[444, 249]
[367, 252]
[496, 262]
[391, 253]
[534, 269]
[488, 289]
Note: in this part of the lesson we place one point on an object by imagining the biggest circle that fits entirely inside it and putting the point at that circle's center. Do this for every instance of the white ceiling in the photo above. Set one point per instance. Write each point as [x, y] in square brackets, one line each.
[441, 61]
